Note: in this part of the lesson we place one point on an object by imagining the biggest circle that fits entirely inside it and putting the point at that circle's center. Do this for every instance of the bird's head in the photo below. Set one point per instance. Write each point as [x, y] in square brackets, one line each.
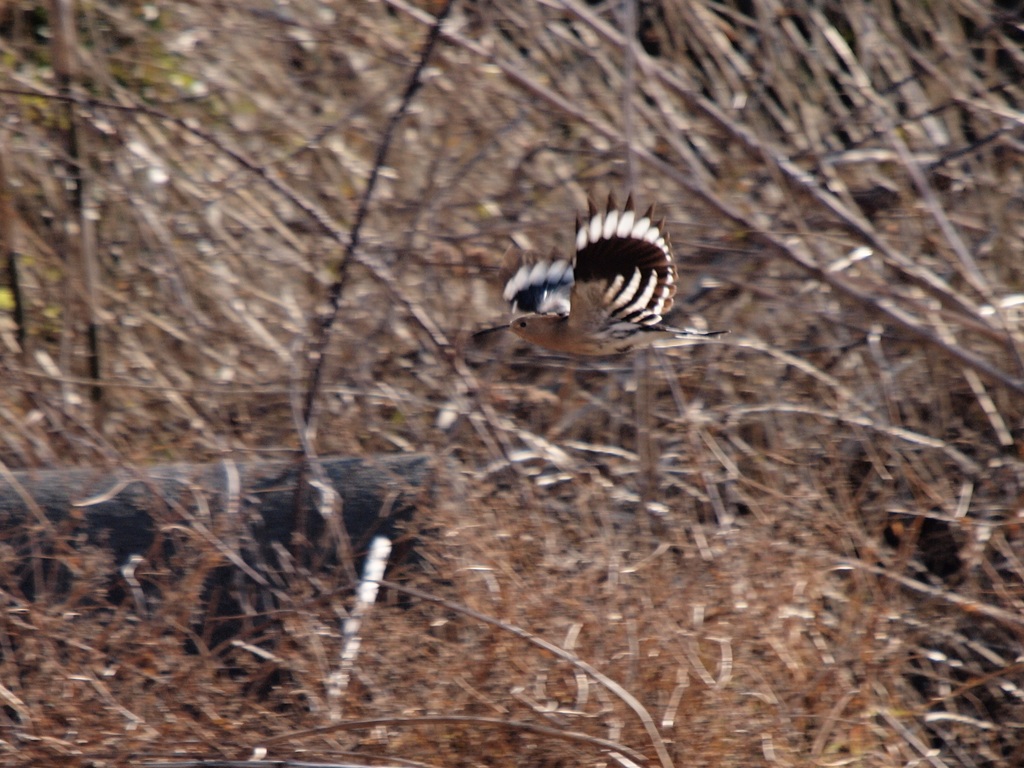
[546, 330]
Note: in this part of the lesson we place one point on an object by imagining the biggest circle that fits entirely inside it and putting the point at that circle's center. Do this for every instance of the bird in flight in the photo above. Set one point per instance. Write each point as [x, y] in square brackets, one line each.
[610, 297]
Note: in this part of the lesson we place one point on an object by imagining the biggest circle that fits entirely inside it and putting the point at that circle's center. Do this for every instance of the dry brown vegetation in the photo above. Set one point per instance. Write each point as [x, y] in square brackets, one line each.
[799, 545]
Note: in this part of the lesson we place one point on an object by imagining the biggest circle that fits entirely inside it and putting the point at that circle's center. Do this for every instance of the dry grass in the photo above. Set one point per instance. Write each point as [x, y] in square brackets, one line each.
[800, 545]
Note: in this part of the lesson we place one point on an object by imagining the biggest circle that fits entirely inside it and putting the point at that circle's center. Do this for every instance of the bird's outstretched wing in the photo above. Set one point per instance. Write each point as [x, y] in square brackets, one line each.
[623, 268]
[540, 286]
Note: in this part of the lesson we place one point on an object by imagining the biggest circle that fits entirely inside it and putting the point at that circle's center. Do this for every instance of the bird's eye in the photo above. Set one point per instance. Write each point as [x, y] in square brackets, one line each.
[521, 323]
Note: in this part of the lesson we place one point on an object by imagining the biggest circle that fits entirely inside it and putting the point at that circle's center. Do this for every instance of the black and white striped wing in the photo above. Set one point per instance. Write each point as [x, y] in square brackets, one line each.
[629, 259]
[541, 287]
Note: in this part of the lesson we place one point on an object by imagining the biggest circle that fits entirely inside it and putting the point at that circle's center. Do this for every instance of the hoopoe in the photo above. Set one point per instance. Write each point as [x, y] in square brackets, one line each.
[610, 297]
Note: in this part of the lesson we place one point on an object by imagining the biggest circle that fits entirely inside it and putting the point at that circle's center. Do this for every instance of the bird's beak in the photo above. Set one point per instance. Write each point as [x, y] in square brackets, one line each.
[488, 331]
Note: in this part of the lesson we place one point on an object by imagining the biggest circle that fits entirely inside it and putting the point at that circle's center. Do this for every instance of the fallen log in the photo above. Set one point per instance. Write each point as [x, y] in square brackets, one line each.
[251, 510]
[372, 491]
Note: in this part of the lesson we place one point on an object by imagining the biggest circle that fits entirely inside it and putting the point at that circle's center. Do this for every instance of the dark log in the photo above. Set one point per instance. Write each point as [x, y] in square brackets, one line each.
[248, 513]
[122, 508]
